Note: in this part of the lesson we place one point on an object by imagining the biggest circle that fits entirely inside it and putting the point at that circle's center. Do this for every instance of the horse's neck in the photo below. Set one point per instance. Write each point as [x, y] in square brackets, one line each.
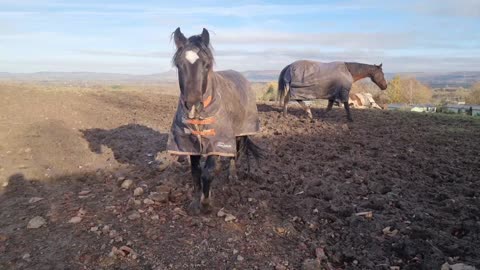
[359, 71]
[211, 82]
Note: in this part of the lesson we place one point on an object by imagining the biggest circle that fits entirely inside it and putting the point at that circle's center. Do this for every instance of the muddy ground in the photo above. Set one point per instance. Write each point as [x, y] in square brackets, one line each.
[389, 190]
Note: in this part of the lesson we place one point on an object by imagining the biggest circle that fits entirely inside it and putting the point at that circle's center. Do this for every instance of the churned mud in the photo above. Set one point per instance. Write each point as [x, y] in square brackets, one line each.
[391, 190]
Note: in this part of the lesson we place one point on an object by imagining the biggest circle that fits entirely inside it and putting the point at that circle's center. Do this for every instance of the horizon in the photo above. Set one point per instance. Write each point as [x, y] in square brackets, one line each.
[241, 71]
[123, 37]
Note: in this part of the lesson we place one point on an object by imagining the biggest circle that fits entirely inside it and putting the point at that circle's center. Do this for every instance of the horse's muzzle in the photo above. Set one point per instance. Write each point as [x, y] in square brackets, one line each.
[193, 112]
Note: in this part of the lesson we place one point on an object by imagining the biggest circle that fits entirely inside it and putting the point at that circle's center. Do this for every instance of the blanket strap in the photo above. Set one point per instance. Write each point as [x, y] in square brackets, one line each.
[207, 101]
[206, 121]
[206, 132]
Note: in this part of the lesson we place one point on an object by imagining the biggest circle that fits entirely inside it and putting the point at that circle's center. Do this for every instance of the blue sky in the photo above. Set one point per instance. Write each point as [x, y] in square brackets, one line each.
[134, 36]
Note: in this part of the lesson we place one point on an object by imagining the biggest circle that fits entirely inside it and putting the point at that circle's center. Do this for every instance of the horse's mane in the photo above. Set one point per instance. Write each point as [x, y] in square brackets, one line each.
[360, 68]
[206, 51]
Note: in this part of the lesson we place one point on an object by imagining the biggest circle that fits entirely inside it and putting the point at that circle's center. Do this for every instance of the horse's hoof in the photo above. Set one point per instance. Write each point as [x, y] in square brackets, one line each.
[194, 208]
[206, 208]
[205, 205]
[232, 177]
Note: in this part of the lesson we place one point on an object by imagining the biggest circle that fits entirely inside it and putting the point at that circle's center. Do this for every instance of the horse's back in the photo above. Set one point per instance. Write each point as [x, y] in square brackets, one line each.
[307, 72]
[319, 80]
[235, 77]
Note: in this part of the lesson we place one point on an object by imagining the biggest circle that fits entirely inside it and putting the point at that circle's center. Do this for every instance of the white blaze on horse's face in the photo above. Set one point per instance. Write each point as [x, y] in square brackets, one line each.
[191, 56]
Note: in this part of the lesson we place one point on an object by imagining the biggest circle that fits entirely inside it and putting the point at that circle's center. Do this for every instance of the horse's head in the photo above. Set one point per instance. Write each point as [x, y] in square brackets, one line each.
[194, 61]
[378, 77]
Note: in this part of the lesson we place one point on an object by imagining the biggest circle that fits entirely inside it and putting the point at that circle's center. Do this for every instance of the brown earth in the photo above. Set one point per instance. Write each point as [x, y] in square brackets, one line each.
[391, 189]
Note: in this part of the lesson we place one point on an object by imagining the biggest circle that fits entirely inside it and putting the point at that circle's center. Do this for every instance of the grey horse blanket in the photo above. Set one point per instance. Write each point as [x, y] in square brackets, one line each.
[229, 111]
[317, 80]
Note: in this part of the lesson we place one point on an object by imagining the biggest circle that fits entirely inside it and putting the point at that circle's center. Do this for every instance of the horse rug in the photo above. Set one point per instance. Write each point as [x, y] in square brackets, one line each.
[229, 111]
[316, 80]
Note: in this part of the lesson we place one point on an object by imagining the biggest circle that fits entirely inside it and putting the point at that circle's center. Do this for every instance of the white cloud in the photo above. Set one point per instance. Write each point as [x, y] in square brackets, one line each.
[246, 10]
[139, 40]
[341, 40]
[455, 8]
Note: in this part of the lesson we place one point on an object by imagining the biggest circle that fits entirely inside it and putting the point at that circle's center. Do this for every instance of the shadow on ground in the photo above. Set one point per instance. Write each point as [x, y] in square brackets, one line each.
[132, 144]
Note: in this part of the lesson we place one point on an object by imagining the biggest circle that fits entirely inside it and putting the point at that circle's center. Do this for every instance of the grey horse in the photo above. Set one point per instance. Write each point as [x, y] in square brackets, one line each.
[307, 80]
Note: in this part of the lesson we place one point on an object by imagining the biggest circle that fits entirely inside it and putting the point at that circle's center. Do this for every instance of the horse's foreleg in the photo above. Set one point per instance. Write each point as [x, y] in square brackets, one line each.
[218, 165]
[330, 105]
[196, 169]
[347, 109]
[207, 178]
[232, 170]
[306, 108]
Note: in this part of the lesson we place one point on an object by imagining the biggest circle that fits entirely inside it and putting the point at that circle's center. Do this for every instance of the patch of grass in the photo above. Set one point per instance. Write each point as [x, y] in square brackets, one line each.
[270, 94]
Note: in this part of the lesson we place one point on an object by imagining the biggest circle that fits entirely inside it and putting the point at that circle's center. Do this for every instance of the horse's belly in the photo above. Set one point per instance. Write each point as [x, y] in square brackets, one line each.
[318, 92]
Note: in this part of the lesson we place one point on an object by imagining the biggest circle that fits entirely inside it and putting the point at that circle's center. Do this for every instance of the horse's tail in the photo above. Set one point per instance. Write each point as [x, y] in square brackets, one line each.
[246, 147]
[282, 86]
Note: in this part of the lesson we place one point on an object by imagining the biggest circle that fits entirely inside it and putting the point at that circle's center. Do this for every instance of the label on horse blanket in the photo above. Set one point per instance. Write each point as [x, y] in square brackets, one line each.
[229, 111]
[316, 80]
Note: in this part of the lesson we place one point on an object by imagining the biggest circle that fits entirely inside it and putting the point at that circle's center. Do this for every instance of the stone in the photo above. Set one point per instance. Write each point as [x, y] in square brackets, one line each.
[84, 192]
[75, 220]
[230, 218]
[106, 229]
[134, 215]
[221, 213]
[159, 196]
[164, 160]
[461, 266]
[311, 264]
[148, 201]
[34, 199]
[127, 184]
[26, 256]
[36, 222]
[113, 234]
[138, 191]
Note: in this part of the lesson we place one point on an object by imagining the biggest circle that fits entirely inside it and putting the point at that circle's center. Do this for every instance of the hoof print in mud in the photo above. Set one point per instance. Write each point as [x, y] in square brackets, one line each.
[194, 208]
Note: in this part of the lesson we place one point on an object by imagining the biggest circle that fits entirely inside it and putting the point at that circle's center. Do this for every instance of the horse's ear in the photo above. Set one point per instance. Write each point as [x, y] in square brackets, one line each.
[205, 37]
[380, 66]
[179, 38]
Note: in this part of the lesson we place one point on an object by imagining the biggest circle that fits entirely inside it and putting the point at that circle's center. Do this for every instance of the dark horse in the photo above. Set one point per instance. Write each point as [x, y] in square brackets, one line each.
[215, 115]
[306, 80]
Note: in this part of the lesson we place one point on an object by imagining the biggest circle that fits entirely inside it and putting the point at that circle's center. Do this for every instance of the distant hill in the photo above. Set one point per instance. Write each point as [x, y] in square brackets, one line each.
[433, 79]
[75, 77]
[444, 79]
[261, 75]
